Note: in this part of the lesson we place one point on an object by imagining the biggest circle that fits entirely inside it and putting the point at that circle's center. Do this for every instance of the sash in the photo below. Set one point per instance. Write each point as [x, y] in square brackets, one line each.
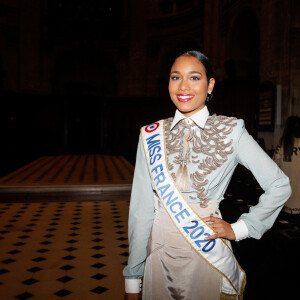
[216, 252]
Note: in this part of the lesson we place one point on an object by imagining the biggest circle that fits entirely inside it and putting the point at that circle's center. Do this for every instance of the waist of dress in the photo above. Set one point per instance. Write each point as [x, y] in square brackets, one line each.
[164, 231]
[212, 208]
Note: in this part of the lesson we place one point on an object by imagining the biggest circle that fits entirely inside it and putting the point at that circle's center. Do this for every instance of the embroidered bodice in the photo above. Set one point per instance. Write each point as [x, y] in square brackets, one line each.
[200, 151]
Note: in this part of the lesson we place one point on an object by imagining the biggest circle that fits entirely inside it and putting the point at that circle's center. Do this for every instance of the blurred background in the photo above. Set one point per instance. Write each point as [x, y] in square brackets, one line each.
[82, 76]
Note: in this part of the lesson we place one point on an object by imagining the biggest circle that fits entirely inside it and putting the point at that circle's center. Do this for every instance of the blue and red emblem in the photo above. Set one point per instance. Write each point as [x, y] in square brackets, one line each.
[152, 127]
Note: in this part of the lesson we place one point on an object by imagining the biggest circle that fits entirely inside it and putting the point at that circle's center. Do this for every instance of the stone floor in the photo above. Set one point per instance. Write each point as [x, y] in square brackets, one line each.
[73, 245]
[70, 250]
[91, 172]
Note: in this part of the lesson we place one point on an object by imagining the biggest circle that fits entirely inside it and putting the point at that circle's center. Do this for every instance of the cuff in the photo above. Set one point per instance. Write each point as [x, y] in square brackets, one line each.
[240, 230]
[133, 285]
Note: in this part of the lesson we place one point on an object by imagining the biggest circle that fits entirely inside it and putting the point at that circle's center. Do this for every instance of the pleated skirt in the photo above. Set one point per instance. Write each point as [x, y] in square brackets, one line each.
[173, 268]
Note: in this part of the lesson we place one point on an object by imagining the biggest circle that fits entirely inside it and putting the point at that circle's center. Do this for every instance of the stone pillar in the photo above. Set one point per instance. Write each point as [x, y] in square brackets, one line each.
[30, 60]
[295, 59]
[137, 67]
[214, 43]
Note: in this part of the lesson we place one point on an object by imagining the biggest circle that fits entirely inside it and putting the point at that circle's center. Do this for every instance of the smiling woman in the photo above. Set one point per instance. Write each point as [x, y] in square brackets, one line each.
[178, 242]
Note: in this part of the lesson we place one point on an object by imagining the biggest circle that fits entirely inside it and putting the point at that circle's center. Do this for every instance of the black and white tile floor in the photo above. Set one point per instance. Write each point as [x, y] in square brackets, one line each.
[69, 250]
[77, 248]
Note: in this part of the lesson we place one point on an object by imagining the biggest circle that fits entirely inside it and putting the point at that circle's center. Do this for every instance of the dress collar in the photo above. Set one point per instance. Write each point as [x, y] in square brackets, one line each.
[199, 118]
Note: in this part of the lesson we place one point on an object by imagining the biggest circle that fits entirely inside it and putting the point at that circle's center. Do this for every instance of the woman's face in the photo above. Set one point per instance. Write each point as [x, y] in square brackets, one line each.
[188, 86]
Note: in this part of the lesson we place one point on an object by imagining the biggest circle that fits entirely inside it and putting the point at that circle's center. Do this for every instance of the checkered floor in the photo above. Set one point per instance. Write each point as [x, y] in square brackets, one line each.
[74, 245]
[69, 250]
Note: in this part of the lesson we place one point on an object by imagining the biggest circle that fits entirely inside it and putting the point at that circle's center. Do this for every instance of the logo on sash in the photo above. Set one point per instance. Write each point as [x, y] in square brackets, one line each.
[216, 252]
[151, 127]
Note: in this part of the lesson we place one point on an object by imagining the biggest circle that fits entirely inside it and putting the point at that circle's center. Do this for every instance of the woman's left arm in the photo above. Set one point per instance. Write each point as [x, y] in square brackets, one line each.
[273, 181]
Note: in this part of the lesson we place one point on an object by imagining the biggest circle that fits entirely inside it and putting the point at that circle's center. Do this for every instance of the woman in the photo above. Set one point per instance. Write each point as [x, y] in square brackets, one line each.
[177, 190]
[287, 156]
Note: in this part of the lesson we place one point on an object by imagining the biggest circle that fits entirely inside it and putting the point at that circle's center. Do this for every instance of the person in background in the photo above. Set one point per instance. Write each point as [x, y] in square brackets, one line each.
[178, 242]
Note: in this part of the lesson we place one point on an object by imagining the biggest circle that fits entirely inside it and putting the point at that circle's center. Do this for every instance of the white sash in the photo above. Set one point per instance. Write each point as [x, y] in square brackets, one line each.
[216, 252]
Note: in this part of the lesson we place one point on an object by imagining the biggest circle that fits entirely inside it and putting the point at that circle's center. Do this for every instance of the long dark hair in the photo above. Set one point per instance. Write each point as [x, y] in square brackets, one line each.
[291, 130]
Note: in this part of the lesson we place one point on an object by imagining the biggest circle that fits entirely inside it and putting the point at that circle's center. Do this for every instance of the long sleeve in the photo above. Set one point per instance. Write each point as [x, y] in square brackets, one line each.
[273, 181]
[141, 215]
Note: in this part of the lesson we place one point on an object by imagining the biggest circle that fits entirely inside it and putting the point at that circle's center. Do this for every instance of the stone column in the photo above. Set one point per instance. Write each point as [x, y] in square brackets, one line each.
[137, 67]
[30, 63]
